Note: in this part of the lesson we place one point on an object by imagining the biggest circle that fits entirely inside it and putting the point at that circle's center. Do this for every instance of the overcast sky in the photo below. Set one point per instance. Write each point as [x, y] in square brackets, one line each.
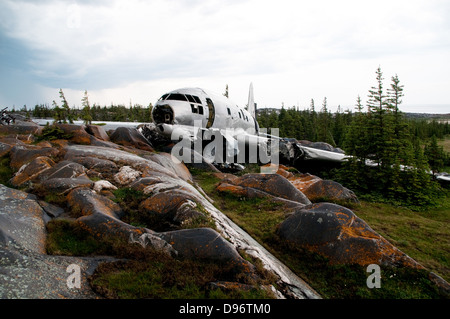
[133, 51]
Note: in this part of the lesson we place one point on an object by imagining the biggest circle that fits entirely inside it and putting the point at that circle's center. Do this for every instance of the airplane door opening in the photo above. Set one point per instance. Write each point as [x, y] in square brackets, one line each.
[212, 112]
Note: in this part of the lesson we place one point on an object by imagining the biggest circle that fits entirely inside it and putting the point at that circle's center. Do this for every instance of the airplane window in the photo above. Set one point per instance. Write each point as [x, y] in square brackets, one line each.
[197, 100]
[229, 111]
[240, 115]
[200, 109]
[177, 97]
[190, 98]
[162, 98]
[193, 108]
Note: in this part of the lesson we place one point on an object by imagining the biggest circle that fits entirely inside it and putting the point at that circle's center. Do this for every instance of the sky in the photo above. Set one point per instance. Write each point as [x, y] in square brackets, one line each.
[132, 52]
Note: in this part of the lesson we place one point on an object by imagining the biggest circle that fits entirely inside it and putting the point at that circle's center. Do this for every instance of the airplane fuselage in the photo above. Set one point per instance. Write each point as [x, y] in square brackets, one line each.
[190, 106]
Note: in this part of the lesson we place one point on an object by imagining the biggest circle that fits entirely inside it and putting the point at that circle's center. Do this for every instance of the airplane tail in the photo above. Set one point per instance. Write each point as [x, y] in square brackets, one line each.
[251, 102]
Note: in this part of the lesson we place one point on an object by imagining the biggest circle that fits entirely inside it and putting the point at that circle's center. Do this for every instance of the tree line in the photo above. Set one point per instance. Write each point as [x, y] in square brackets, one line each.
[88, 113]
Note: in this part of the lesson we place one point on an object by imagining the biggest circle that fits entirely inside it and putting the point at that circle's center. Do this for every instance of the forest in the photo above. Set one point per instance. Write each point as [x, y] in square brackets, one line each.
[401, 150]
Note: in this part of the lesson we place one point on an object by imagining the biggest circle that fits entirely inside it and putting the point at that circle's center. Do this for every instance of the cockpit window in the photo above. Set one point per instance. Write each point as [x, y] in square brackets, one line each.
[162, 98]
[197, 100]
[177, 97]
[190, 98]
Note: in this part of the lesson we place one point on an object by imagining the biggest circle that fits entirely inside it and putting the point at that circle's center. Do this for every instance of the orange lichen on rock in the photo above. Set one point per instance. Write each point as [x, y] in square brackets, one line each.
[21, 155]
[303, 181]
[263, 185]
[32, 170]
[338, 234]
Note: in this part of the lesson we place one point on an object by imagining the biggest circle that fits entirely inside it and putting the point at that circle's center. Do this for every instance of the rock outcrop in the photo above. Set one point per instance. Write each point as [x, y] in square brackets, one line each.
[273, 186]
[83, 170]
[338, 234]
[131, 137]
[26, 271]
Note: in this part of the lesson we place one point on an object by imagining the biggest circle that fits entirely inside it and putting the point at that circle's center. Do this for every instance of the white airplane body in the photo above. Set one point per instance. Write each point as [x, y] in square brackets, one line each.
[186, 108]
[183, 112]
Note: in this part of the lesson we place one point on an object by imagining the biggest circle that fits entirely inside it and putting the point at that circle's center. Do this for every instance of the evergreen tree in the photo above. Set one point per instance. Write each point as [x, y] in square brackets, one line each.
[57, 113]
[86, 115]
[312, 131]
[400, 173]
[435, 155]
[377, 126]
[65, 111]
[354, 171]
[324, 129]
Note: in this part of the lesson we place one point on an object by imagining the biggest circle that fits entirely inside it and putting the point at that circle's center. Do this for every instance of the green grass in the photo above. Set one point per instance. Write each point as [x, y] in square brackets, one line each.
[6, 172]
[445, 143]
[66, 237]
[427, 243]
[160, 277]
[424, 235]
[148, 273]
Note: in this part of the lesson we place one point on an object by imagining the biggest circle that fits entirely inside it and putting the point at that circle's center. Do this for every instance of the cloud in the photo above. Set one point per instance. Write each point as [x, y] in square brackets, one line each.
[295, 50]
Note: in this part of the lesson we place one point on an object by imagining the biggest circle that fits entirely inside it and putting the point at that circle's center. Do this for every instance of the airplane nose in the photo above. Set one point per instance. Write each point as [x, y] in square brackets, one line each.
[163, 114]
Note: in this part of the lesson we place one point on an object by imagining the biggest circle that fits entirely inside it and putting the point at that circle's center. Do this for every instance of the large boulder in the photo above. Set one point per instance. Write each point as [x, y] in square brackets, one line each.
[20, 127]
[272, 184]
[170, 208]
[4, 149]
[64, 169]
[130, 137]
[62, 186]
[21, 155]
[206, 244]
[121, 158]
[166, 160]
[100, 216]
[97, 131]
[30, 172]
[11, 141]
[303, 181]
[21, 220]
[329, 191]
[26, 271]
[96, 166]
[338, 234]
[76, 132]
[85, 202]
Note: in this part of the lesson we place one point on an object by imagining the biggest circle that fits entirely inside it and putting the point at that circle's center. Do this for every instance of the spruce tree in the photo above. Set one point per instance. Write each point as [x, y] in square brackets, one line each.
[377, 125]
[312, 132]
[65, 111]
[86, 115]
[57, 114]
[324, 123]
[435, 155]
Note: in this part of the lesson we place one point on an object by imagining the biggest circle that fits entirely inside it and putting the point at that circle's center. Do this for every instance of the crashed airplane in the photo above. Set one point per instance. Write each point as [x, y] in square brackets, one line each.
[223, 132]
